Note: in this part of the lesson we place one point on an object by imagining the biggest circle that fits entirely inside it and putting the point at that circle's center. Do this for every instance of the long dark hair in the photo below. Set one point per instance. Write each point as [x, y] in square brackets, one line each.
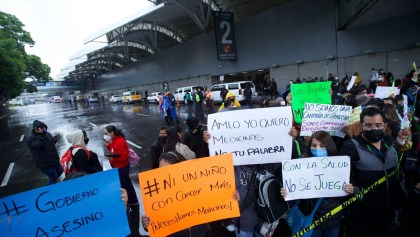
[390, 113]
[173, 139]
[172, 157]
[325, 139]
[117, 132]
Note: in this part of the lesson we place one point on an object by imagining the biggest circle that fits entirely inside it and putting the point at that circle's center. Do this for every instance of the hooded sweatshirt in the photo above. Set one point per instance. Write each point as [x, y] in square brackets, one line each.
[82, 161]
[42, 147]
[230, 95]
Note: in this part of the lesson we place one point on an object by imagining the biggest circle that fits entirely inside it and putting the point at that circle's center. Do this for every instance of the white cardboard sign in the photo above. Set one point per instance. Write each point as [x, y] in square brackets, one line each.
[316, 177]
[253, 136]
[330, 118]
[385, 91]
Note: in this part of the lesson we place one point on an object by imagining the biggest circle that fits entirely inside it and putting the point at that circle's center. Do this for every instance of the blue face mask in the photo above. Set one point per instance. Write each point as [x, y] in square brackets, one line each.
[319, 152]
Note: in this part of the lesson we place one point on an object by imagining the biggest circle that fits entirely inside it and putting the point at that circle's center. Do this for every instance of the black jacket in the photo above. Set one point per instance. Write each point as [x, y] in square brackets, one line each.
[43, 150]
[196, 143]
[377, 209]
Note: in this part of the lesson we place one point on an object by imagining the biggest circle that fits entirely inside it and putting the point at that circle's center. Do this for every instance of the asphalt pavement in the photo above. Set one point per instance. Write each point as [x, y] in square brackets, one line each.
[139, 122]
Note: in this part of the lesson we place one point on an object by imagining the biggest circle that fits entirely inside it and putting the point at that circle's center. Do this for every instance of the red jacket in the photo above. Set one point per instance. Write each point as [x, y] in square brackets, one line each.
[118, 146]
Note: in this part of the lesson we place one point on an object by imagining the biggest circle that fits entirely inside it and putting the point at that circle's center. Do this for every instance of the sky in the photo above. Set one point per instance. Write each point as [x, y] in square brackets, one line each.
[58, 27]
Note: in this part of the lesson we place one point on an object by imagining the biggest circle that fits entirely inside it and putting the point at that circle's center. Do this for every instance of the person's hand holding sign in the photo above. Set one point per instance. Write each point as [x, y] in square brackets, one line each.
[206, 136]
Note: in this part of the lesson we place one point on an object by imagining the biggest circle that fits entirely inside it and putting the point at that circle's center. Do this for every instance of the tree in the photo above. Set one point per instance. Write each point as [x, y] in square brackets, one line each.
[15, 63]
[36, 70]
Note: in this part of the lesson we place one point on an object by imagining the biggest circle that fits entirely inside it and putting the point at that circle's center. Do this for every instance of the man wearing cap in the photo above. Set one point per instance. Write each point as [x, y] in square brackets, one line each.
[44, 153]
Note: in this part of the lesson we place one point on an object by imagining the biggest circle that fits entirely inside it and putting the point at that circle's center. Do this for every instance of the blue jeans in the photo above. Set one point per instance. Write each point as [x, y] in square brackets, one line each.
[53, 173]
[326, 233]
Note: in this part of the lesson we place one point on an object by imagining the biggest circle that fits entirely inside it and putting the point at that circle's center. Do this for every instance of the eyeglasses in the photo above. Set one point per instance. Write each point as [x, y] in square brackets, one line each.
[369, 126]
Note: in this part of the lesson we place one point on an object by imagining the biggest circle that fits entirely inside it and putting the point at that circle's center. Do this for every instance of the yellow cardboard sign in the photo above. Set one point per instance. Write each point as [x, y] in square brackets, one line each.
[189, 193]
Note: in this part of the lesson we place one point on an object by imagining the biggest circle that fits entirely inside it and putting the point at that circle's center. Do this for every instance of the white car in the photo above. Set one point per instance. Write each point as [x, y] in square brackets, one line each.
[93, 99]
[154, 97]
[236, 88]
[115, 99]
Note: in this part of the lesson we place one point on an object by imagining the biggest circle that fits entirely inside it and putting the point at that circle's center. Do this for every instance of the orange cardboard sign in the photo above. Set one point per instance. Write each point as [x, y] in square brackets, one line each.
[189, 193]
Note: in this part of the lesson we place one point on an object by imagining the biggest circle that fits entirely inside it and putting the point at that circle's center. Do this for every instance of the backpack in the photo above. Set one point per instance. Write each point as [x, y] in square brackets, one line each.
[270, 205]
[297, 221]
[67, 159]
[133, 158]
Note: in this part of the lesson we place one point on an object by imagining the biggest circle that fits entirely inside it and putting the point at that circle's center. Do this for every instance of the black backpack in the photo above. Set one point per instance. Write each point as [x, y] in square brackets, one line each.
[270, 205]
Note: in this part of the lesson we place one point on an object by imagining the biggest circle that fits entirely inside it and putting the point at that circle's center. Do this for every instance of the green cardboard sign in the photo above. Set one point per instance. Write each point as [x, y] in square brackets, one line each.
[316, 92]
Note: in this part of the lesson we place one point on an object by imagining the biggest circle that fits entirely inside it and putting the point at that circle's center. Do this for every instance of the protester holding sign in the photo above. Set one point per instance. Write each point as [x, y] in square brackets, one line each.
[201, 230]
[117, 145]
[167, 159]
[321, 144]
[373, 156]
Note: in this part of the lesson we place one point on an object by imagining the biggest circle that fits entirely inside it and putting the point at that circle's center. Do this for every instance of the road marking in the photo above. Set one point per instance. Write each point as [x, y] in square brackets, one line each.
[21, 138]
[412, 159]
[93, 124]
[7, 176]
[133, 144]
[146, 115]
[36, 114]
[4, 116]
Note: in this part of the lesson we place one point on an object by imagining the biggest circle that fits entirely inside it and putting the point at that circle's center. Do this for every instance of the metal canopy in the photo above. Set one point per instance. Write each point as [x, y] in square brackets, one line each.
[166, 24]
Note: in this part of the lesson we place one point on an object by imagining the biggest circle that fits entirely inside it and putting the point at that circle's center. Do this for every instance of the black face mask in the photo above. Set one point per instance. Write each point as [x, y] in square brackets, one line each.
[85, 138]
[163, 139]
[373, 135]
[197, 129]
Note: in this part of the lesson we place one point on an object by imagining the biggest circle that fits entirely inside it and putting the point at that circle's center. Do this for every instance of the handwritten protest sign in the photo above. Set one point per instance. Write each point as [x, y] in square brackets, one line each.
[254, 136]
[355, 115]
[317, 92]
[189, 193]
[316, 177]
[78, 207]
[385, 91]
[330, 118]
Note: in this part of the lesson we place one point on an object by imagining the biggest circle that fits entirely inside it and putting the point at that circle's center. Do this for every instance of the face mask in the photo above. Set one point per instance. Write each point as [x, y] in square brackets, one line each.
[107, 138]
[86, 140]
[163, 139]
[319, 152]
[373, 135]
[197, 129]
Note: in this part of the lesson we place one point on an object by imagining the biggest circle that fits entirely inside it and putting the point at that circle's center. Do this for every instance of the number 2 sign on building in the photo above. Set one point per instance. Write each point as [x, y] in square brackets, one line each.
[225, 36]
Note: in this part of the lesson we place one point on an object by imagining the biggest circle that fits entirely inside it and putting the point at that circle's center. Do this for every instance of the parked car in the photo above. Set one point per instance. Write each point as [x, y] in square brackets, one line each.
[93, 99]
[179, 93]
[131, 97]
[56, 99]
[154, 97]
[115, 99]
[236, 88]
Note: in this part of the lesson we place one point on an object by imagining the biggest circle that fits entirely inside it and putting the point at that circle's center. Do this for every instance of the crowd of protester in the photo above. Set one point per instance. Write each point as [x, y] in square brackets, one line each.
[377, 145]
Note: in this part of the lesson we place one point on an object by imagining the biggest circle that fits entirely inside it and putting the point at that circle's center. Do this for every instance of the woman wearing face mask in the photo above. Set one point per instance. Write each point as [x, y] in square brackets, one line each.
[118, 158]
[321, 144]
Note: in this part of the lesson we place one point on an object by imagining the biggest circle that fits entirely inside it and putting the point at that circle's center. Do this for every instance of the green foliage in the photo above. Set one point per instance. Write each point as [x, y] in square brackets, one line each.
[12, 67]
[15, 64]
[36, 69]
[30, 88]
